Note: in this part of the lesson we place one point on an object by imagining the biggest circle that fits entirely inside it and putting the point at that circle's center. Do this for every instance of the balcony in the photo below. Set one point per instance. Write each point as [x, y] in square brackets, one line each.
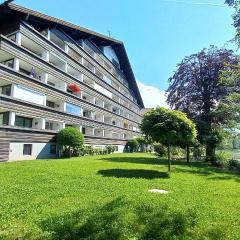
[99, 102]
[98, 132]
[76, 56]
[32, 46]
[88, 65]
[88, 131]
[108, 119]
[57, 62]
[54, 104]
[116, 110]
[56, 40]
[88, 114]
[107, 106]
[98, 117]
[74, 72]
[53, 125]
[54, 82]
[88, 81]
[87, 97]
[88, 49]
[30, 70]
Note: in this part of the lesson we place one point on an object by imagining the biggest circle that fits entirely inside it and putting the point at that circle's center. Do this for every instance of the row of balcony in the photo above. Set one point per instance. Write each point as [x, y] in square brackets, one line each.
[21, 121]
[40, 75]
[20, 92]
[61, 64]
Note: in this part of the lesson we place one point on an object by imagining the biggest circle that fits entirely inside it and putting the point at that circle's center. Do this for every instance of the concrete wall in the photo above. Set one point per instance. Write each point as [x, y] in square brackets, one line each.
[39, 151]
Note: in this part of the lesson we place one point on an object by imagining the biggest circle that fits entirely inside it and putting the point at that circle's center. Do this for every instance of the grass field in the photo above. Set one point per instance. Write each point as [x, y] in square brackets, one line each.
[106, 197]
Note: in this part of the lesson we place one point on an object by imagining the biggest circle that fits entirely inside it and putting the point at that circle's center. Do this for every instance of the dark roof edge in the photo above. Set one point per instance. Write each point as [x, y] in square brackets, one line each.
[22, 9]
[116, 42]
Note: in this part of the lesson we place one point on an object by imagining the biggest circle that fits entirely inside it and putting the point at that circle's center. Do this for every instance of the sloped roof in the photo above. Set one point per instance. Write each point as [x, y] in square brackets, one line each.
[75, 30]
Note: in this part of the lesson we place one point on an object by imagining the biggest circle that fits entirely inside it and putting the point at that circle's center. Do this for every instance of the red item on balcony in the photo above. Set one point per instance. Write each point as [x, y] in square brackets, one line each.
[74, 87]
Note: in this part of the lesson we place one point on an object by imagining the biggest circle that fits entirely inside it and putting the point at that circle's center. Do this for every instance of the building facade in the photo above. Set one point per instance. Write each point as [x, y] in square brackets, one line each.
[54, 74]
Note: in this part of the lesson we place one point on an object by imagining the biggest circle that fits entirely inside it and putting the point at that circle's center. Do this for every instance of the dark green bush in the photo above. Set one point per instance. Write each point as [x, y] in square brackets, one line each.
[234, 165]
[132, 145]
[69, 139]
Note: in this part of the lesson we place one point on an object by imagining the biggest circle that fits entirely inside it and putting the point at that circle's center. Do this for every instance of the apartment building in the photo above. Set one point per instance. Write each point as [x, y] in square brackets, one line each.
[54, 74]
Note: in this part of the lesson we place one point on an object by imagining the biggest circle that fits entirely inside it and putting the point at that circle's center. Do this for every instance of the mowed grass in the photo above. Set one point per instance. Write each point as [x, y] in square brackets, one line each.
[106, 197]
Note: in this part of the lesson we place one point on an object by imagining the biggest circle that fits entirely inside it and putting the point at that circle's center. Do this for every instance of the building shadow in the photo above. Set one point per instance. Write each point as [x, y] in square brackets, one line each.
[133, 173]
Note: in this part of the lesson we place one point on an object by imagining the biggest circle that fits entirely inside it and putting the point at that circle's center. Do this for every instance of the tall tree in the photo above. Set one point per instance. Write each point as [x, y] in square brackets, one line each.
[236, 17]
[196, 90]
[169, 127]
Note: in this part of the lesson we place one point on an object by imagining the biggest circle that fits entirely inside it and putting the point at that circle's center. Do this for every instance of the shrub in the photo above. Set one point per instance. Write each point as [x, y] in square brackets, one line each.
[234, 165]
[159, 149]
[70, 139]
[222, 159]
[132, 145]
[110, 149]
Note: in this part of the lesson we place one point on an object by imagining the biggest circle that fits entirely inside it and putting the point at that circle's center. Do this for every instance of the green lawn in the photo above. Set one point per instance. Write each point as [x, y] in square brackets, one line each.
[106, 197]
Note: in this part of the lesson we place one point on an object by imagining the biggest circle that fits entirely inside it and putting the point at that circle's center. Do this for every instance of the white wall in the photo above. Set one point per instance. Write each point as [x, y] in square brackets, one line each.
[102, 90]
[110, 53]
[28, 95]
[39, 151]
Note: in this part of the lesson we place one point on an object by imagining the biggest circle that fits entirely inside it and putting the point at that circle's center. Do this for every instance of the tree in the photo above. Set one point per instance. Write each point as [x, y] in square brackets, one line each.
[236, 18]
[70, 139]
[196, 90]
[132, 145]
[143, 143]
[168, 127]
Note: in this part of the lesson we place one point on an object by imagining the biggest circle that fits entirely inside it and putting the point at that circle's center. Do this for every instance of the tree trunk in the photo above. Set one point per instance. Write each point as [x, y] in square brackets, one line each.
[169, 158]
[188, 153]
[210, 153]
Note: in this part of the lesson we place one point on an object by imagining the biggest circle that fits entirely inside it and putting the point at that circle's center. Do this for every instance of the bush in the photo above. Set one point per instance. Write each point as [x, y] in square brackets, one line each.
[222, 159]
[159, 149]
[132, 145]
[110, 149]
[234, 165]
[70, 139]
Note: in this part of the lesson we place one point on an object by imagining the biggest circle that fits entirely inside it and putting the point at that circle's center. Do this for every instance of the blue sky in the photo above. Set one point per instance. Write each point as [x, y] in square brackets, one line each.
[157, 33]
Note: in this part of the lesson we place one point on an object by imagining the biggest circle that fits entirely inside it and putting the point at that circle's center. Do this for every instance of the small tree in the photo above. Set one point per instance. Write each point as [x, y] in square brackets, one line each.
[169, 127]
[70, 139]
[143, 143]
[132, 145]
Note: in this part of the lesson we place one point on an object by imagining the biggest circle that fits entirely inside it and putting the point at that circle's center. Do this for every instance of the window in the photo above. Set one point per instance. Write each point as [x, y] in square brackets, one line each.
[83, 130]
[53, 149]
[23, 122]
[50, 104]
[27, 149]
[73, 109]
[6, 90]
[49, 126]
[4, 118]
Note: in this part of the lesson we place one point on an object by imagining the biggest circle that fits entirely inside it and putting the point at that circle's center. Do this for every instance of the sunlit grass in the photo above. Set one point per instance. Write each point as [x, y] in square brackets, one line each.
[106, 197]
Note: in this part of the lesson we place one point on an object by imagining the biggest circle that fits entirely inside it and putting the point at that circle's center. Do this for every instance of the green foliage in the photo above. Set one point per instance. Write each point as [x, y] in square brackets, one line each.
[143, 143]
[70, 199]
[132, 145]
[222, 159]
[234, 165]
[70, 139]
[110, 149]
[160, 150]
[168, 126]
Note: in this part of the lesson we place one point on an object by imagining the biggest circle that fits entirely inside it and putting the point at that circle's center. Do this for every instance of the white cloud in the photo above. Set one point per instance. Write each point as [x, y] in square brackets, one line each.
[152, 96]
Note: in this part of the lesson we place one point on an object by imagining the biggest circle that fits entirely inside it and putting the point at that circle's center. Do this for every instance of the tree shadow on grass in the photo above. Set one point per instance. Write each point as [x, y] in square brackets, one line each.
[133, 173]
[199, 168]
[122, 219]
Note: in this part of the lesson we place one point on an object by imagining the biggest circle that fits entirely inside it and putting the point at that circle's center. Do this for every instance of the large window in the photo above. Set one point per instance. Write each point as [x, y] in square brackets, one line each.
[23, 122]
[49, 126]
[27, 149]
[73, 109]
